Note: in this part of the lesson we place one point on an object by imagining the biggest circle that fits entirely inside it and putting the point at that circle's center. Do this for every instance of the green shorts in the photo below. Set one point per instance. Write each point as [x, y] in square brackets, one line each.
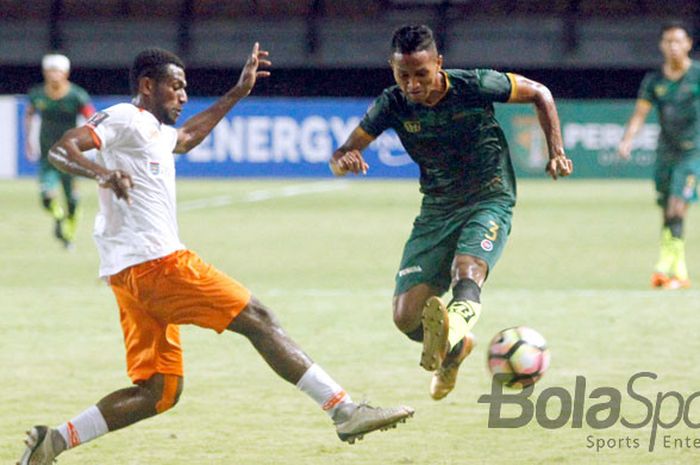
[50, 178]
[479, 229]
[677, 179]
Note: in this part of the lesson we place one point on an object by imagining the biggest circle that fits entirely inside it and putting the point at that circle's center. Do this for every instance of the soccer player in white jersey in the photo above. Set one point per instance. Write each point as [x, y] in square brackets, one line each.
[157, 282]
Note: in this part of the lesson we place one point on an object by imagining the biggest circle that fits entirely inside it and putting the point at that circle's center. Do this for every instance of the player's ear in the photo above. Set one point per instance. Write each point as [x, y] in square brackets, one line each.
[146, 85]
[439, 61]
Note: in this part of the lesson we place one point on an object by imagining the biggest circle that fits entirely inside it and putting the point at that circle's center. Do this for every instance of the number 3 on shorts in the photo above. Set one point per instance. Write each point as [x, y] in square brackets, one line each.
[492, 235]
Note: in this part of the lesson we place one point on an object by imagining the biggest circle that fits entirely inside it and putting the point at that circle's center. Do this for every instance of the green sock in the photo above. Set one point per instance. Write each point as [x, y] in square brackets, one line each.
[667, 254]
[463, 315]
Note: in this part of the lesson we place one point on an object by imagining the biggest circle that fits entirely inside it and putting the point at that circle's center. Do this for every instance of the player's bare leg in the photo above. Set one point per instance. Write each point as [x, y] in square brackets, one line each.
[115, 411]
[288, 360]
[469, 274]
[161, 392]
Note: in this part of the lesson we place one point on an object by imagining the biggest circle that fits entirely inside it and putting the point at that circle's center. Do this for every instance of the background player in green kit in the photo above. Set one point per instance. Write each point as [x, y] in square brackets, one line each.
[59, 102]
[675, 92]
[445, 120]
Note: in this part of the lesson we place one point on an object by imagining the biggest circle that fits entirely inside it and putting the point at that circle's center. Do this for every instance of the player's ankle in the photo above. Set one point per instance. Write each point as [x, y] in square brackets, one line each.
[343, 412]
[58, 442]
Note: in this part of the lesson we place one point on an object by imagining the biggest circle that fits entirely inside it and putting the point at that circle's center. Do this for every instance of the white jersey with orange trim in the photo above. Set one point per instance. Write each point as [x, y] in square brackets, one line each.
[134, 141]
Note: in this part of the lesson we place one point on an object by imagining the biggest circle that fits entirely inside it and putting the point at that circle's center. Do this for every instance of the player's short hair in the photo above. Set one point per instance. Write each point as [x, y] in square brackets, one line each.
[676, 24]
[152, 63]
[412, 38]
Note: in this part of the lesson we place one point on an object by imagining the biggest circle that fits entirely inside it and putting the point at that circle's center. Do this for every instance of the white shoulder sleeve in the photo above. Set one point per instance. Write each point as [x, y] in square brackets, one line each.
[108, 126]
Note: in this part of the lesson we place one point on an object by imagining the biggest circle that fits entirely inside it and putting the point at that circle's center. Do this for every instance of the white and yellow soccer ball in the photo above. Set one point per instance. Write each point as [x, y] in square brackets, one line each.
[519, 356]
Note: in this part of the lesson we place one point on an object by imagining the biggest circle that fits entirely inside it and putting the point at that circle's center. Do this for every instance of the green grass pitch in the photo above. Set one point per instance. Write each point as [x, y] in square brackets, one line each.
[323, 254]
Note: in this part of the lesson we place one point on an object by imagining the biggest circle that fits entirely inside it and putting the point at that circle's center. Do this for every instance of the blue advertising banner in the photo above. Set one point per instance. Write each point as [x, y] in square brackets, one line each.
[280, 137]
[275, 137]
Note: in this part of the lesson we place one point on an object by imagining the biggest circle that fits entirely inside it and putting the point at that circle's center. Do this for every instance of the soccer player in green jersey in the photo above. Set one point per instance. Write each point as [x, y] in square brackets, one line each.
[59, 102]
[445, 120]
[674, 90]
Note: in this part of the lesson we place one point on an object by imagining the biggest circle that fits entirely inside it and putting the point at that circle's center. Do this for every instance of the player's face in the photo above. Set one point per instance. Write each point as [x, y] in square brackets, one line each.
[675, 44]
[170, 95]
[55, 76]
[417, 73]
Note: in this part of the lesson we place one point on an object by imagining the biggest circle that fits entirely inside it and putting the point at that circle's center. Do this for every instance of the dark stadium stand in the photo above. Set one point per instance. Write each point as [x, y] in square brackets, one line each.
[589, 41]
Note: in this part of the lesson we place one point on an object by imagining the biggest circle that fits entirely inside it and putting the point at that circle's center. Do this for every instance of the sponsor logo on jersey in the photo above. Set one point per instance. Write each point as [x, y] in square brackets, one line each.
[154, 167]
[660, 90]
[412, 126]
[409, 270]
[97, 118]
[487, 245]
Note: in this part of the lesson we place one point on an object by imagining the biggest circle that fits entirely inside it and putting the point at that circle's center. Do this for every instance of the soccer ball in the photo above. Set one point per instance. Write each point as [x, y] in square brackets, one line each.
[519, 356]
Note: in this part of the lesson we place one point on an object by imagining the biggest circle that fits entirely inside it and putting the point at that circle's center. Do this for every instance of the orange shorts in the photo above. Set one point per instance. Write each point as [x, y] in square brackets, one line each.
[156, 296]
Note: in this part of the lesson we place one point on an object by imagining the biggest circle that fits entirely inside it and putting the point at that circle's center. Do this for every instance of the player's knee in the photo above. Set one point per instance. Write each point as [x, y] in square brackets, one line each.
[169, 393]
[469, 267]
[676, 209]
[256, 320]
[406, 319]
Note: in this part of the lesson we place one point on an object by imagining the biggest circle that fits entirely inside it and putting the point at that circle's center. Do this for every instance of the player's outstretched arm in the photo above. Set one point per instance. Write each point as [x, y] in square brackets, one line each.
[29, 150]
[348, 157]
[529, 91]
[200, 125]
[67, 155]
[641, 110]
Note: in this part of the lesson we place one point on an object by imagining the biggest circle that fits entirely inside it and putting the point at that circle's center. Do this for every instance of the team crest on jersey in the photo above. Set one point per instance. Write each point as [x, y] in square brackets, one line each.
[412, 126]
[660, 90]
[689, 188]
[154, 168]
[487, 245]
[97, 118]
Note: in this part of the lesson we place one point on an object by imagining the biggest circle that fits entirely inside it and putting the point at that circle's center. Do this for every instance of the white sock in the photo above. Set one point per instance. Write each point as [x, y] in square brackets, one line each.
[318, 385]
[85, 427]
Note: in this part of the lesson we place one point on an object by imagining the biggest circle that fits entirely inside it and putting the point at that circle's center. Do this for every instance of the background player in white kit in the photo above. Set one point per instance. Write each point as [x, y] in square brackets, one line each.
[158, 283]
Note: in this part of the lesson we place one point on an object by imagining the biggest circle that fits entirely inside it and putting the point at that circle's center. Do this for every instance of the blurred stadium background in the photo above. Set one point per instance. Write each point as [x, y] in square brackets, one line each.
[580, 48]
[592, 51]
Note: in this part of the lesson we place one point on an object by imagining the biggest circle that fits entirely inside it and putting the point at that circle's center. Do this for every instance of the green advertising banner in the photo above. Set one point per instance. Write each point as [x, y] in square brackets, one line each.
[591, 130]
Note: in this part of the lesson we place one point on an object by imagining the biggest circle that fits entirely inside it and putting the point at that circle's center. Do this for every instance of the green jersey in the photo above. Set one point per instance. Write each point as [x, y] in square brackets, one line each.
[458, 145]
[58, 116]
[678, 107]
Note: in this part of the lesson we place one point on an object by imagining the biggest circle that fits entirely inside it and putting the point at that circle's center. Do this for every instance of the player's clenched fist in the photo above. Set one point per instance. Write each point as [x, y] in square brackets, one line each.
[119, 182]
[351, 161]
[560, 165]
